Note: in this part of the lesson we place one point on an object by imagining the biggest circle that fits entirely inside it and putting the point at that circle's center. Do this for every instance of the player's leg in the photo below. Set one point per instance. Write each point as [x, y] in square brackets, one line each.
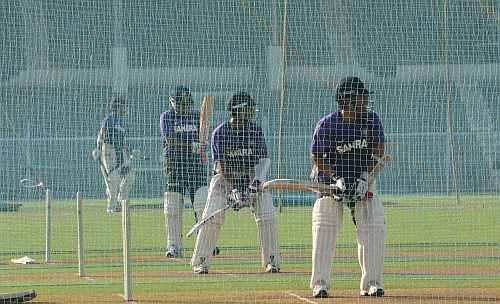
[197, 175]
[173, 204]
[326, 222]
[127, 175]
[199, 201]
[111, 176]
[371, 231]
[266, 218]
[209, 233]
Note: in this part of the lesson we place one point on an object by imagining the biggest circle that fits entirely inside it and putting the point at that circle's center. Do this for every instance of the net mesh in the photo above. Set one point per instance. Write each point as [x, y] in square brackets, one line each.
[433, 67]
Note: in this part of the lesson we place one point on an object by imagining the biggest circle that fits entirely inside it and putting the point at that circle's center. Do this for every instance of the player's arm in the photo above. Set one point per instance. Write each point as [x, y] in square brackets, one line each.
[377, 144]
[217, 154]
[177, 144]
[263, 164]
[321, 152]
[167, 132]
[205, 119]
[102, 135]
[378, 151]
[323, 165]
[376, 164]
[96, 153]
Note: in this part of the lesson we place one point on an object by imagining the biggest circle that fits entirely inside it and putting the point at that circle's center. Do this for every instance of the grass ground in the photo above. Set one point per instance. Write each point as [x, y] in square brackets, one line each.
[438, 251]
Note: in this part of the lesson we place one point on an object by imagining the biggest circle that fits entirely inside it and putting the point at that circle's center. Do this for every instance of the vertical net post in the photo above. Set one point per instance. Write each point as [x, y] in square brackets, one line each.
[449, 102]
[284, 50]
[48, 225]
[79, 221]
[127, 271]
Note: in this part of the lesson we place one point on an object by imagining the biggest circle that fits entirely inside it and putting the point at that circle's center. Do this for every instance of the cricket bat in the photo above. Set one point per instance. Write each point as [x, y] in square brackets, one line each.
[206, 111]
[302, 186]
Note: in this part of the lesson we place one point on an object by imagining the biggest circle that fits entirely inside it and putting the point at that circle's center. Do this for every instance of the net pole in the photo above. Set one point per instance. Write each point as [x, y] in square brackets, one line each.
[48, 225]
[119, 51]
[79, 221]
[283, 95]
[449, 102]
[127, 269]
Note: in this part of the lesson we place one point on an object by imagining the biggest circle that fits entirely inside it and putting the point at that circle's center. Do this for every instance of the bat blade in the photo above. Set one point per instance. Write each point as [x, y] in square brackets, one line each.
[300, 186]
[28, 183]
[380, 164]
[205, 220]
[206, 118]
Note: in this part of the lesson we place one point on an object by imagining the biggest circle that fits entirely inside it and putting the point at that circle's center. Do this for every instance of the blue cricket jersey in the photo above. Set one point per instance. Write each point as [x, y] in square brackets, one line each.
[347, 147]
[114, 130]
[239, 150]
[180, 128]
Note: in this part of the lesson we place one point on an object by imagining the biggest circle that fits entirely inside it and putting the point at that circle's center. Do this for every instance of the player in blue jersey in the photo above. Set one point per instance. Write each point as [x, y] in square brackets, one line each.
[113, 155]
[241, 164]
[346, 145]
[185, 165]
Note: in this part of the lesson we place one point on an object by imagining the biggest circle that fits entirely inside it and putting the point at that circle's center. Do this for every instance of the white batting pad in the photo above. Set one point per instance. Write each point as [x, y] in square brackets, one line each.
[372, 231]
[113, 189]
[208, 234]
[265, 217]
[207, 238]
[126, 184]
[108, 157]
[117, 187]
[200, 200]
[173, 208]
[326, 222]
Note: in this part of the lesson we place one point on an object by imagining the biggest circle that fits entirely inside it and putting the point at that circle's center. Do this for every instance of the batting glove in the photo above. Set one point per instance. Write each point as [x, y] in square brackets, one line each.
[236, 199]
[199, 148]
[361, 186]
[255, 186]
[124, 170]
[136, 154]
[339, 184]
[96, 154]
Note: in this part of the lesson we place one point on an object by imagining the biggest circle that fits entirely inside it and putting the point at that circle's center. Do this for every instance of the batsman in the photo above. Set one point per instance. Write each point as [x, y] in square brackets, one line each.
[346, 145]
[113, 155]
[185, 164]
[241, 164]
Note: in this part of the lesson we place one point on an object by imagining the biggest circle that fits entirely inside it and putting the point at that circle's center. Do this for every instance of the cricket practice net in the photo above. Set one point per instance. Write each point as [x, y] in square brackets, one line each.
[434, 70]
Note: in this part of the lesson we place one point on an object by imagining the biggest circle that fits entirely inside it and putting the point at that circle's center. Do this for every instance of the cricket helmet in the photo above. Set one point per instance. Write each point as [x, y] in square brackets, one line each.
[240, 101]
[180, 97]
[116, 103]
[348, 88]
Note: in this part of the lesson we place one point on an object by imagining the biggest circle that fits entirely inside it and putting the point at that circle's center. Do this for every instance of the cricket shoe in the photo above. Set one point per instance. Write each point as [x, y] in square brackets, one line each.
[173, 252]
[373, 291]
[114, 208]
[200, 269]
[271, 268]
[319, 291]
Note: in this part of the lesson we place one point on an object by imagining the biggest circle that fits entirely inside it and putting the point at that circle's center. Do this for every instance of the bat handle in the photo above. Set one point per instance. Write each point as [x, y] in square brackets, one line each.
[202, 152]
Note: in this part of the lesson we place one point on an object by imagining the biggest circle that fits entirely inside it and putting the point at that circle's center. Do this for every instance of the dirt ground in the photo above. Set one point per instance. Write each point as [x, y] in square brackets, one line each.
[407, 296]
[393, 295]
